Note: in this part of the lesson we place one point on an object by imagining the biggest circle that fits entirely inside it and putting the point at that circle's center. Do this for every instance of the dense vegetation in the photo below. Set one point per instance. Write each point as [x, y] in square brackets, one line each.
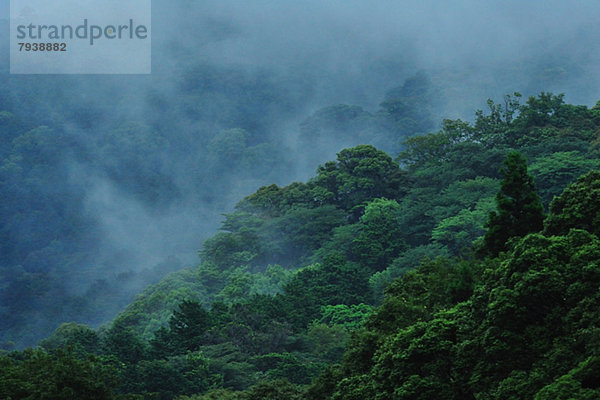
[75, 177]
[465, 268]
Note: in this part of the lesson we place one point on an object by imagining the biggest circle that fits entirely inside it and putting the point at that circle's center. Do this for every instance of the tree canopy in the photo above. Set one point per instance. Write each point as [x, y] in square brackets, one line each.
[362, 282]
[520, 209]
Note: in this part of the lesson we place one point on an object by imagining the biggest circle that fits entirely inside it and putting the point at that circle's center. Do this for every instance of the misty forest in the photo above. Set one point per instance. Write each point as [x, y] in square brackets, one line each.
[310, 200]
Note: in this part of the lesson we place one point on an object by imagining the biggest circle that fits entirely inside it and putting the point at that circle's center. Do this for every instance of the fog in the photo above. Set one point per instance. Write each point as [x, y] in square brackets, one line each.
[264, 67]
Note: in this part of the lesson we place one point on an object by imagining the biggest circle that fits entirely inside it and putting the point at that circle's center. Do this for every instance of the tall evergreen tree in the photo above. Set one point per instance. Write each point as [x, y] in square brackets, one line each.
[520, 209]
[188, 325]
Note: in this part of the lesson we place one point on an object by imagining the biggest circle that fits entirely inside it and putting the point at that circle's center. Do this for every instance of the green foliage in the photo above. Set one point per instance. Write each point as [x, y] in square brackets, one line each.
[336, 281]
[360, 174]
[35, 374]
[432, 286]
[293, 369]
[577, 207]
[463, 195]
[493, 127]
[271, 281]
[536, 303]
[533, 299]
[216, 394]
[409, 260]
[556, 171]
[227, 250]
[520, 209]
[458, 232]
[153, 307]
[350, 317]
[257, 320]
[341, 242]
[328, 341]
[80, 337]
[542, 110]
[188, 325]
[461, 211]
[123, 343]
[299, 232]
[579, 383]
[417, 362]
[379, 240]
[279, 389]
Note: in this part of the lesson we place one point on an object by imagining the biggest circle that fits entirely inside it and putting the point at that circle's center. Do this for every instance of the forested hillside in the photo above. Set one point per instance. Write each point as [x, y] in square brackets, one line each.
[464, 268]
[95, 208]
[109, 183]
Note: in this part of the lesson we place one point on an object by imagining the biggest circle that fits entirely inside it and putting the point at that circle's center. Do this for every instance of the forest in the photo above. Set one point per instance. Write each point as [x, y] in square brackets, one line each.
[309, 200]
[464, 268]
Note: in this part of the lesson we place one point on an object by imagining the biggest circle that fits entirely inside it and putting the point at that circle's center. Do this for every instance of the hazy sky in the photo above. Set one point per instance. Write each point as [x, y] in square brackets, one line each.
[368, 41]
[374, 44]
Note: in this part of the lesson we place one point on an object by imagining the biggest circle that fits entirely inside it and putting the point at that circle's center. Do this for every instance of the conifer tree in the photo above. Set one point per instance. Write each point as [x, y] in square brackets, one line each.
[520, 209]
